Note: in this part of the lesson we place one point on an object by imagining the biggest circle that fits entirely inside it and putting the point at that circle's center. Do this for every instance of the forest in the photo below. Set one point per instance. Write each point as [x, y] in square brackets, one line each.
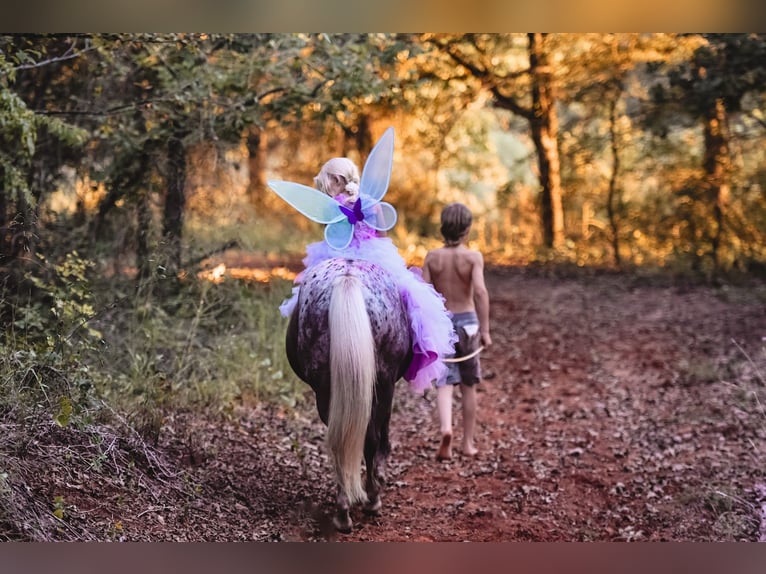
[143, 258]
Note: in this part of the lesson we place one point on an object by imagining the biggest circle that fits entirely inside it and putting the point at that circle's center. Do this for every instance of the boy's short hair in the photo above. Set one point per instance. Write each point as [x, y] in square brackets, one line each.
[456, 222]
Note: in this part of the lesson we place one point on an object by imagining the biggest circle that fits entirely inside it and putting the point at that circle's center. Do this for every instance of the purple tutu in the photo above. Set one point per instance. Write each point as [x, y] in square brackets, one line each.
[433, 335]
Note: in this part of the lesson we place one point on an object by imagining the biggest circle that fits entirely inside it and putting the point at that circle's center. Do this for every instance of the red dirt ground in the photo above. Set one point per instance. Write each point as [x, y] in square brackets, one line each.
[614, 409]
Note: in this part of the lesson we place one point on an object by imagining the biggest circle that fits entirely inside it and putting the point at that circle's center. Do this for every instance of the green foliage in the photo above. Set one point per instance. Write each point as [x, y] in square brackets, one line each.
[22, 127]
[57, 318]
[42, 371]
[212, 346]
[727, 66]
[130, 95]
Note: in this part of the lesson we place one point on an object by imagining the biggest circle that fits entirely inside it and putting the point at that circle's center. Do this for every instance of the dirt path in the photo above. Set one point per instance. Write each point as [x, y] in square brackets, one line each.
[612, 413]
[612, 410]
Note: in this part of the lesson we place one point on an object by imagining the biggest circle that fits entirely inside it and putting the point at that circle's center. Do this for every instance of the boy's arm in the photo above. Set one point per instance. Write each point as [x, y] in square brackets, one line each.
[481, 298]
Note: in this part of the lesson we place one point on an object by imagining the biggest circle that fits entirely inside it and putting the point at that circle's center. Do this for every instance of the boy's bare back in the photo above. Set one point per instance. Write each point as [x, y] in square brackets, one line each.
[458, 274]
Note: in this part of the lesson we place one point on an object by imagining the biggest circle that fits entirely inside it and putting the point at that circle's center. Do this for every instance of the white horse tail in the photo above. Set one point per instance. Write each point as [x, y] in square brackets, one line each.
[352, 383]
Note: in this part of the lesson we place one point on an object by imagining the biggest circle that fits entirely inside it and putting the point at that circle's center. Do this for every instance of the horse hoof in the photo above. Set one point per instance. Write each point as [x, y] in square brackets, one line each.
[344, 526]
[373, 508]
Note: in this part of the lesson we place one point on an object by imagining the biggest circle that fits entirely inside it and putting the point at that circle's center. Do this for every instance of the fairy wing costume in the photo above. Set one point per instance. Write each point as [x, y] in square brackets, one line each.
[350, 232]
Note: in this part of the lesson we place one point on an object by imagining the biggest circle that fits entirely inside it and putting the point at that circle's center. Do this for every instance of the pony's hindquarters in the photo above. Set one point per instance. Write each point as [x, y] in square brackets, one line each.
[352, 376]
[349, 338]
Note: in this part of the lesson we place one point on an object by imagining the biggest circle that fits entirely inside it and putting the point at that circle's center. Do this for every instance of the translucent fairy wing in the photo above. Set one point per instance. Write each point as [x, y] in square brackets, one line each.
[309, 201]
[382, 217]
[376, 174]
[338, 235]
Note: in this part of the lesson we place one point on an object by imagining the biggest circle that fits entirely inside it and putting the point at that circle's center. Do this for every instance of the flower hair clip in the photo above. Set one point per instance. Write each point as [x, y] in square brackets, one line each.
[368, 208]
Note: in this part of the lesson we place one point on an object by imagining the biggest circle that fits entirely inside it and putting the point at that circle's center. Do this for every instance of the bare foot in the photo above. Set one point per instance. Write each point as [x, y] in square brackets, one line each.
[445, 448]
[470, 450]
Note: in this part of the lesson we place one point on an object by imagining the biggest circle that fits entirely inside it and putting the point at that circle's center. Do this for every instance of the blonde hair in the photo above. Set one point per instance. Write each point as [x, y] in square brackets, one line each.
[338, 175]
[456, 223]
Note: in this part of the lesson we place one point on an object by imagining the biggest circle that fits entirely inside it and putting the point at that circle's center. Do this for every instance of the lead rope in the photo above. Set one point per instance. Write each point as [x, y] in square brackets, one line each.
[464, 357]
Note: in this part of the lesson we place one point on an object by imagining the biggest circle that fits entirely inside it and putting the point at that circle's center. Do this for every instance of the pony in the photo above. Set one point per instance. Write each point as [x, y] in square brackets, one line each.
[349, 339]
[353, 318]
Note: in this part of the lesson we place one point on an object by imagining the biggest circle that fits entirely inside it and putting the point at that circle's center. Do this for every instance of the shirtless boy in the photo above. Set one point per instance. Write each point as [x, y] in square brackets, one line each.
[457, 272]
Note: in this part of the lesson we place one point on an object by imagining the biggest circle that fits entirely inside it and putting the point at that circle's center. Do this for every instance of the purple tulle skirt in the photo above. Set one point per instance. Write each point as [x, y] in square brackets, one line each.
[433, 335]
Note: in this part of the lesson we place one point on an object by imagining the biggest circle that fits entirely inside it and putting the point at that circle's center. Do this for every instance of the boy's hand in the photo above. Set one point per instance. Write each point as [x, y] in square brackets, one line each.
[486, 339]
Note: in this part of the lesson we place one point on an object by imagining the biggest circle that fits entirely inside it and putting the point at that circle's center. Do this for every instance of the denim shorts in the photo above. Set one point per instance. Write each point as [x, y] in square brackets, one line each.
[467, 372]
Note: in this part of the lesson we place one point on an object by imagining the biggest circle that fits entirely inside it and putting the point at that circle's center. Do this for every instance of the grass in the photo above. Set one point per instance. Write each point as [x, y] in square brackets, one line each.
[737, 517]
[213, 345]
[207, 345]
[275, 235]
[734, 515]
[748, 380]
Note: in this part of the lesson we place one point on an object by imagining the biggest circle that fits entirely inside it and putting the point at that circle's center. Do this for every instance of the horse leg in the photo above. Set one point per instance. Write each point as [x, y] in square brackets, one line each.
[381, 457]
[342, 519]
[384, 446]
[377, 448]
[372, 486]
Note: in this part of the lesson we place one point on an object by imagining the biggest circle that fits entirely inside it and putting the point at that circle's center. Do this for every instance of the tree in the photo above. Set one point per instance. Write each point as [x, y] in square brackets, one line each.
[600, 91]
[34, 144]
[530, 91]
[337, 80]
[710, 87]
[146, 100]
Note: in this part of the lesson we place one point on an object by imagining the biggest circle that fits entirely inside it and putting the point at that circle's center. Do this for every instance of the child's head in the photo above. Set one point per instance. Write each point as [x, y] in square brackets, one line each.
[339, 175]
[456, 223]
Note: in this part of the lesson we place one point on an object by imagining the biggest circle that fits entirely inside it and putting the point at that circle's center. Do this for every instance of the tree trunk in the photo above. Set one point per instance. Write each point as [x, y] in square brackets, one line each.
[131, 169]
[613, 181]
[24, 230]
[143, 231]
[4, 232]
[543, 123]
[256, 153]
[544, 126]
[717, 163]
[363, 137]
[360, 137]
[175, 202]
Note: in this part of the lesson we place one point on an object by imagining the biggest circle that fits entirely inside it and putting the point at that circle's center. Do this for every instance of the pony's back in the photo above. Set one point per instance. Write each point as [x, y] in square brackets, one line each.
[308, 334]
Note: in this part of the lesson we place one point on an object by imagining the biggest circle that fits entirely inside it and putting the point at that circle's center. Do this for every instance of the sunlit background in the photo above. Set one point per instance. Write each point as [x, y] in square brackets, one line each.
[646, 150]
